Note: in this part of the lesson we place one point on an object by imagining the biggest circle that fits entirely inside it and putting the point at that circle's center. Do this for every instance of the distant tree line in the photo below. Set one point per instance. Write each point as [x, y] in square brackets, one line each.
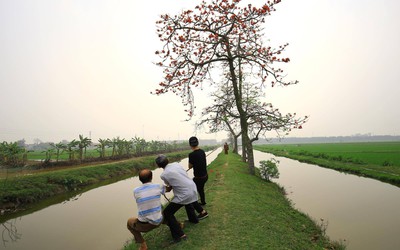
[12, 154]
[15, 154]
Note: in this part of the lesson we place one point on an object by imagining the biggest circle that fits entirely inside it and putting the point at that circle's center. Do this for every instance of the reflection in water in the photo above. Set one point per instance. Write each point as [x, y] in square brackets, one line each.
[92, 220]
[364, 212]
[9, 233]
[74, 198]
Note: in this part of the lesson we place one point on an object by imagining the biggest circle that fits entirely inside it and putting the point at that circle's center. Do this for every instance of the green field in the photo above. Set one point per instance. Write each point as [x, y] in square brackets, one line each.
[379, 160]
[41, 155]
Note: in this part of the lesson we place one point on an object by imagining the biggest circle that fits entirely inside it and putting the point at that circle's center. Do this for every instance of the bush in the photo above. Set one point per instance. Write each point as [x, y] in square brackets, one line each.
[269, 169]
[387, 163]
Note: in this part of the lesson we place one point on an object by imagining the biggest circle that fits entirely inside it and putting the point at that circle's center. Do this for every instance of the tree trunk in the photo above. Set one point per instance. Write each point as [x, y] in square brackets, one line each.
[237, 91]
[250, 157]
[244, 157]
[235, 144]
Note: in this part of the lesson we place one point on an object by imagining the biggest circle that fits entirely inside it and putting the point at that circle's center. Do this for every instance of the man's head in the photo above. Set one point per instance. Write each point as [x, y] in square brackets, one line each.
[162, 161]
[145, 175]
[193, 141]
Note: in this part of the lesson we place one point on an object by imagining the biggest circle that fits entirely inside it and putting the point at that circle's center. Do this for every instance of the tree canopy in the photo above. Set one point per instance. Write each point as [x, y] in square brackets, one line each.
[196, 41]
[224, 34]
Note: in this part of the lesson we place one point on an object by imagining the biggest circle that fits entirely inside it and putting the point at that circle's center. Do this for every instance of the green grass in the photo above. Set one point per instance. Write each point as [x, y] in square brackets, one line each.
[378, 160]
[245, 213]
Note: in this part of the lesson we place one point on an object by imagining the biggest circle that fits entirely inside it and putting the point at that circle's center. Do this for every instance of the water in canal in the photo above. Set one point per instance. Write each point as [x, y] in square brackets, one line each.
[362, 211]
[93, 220]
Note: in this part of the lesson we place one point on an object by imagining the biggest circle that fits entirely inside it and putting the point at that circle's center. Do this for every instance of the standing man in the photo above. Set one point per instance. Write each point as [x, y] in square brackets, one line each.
[148, 199]
[185, 194]
[198, 161]
[226, 148]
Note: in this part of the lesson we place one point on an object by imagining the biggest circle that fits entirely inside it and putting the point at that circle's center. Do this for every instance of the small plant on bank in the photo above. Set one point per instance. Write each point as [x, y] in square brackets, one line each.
[387, 163]
[269, 169]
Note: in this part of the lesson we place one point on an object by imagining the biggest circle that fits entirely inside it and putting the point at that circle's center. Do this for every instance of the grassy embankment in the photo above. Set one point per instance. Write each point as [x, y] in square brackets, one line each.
[378, 160]
[246, 212]
[17, 192]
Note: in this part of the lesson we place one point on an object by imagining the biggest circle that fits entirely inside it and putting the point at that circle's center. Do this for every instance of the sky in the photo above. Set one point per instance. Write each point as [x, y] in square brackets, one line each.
[72, 67]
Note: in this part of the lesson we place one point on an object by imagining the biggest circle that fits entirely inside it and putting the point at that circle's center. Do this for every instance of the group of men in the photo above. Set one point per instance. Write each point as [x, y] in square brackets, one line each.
[186, 191]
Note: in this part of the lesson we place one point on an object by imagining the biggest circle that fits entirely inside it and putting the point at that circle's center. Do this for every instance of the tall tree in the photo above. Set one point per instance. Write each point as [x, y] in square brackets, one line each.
[59, 149]
[221, 115]
[10, 154]
[220, 33]
[101, 147]
[140, 145]
[114, 145]
[71, 148]
[83, 143]
[261, 117]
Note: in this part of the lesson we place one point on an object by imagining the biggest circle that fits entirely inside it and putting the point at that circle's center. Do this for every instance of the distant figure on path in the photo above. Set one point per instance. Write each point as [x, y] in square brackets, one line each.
[185, 194]
[226, 148]
[198, 161]
[148, 199]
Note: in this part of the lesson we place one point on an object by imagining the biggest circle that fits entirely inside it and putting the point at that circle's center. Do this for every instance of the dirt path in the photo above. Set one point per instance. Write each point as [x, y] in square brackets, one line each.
[9, 173]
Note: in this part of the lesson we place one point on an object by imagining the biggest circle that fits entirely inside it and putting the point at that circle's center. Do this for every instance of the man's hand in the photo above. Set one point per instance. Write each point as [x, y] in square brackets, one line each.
[168, 188]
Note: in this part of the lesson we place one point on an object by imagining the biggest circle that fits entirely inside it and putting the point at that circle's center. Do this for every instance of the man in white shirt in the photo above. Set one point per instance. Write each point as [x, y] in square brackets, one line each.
[148, 199]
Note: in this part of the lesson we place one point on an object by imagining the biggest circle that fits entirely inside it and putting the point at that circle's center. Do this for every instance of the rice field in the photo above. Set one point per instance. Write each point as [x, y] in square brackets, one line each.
[380, 160]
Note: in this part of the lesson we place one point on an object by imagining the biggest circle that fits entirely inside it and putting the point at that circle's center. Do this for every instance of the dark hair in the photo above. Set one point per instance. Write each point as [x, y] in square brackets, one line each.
[193, 141]
[145, 175]
[162, 161]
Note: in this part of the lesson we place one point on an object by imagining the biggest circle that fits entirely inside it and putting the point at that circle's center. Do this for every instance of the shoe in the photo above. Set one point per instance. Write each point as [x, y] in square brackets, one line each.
[193, 222]
[202, 216]
[143, 246]
[183, 237]
[203, 204]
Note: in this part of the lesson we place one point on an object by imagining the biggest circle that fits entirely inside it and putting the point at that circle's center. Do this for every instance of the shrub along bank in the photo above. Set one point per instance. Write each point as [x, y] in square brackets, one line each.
[19, 191]
[245, 212]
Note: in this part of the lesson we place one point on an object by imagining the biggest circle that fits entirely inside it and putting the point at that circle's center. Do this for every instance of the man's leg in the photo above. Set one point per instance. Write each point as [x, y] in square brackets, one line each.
[136, 228]
[190, 212]
[169, 216]
[200, 183]
[202, 213]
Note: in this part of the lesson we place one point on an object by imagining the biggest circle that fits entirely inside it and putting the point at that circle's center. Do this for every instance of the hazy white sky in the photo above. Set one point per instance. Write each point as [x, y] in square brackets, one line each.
[71, 67]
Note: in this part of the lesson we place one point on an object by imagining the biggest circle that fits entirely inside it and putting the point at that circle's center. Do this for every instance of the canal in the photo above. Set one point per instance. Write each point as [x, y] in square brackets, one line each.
[95, 219]
[362, 212]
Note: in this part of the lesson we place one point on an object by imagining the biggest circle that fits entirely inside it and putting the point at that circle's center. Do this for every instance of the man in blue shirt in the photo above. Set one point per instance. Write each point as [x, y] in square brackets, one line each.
[148, 199]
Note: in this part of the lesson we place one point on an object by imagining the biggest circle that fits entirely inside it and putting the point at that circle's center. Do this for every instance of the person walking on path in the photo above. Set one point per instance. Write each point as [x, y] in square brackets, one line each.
[148, 199]
[198, 161]
[185, 194]
[226, 148]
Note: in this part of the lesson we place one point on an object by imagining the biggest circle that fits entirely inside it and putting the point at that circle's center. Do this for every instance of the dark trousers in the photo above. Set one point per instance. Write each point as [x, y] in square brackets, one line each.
[170, 219]
[198, 209]
[200, 182]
